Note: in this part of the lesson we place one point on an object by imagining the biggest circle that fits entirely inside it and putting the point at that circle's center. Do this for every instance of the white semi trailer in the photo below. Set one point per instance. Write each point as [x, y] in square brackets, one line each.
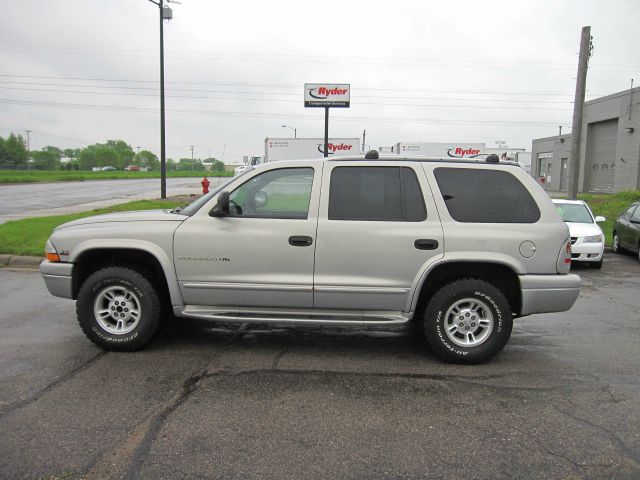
[464, 150]
[444, 150]
[299, 148]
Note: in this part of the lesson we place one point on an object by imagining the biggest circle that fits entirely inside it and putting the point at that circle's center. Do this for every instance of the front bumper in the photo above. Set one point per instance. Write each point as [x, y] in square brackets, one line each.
[58, 277]
[587, 252]
[548, 293]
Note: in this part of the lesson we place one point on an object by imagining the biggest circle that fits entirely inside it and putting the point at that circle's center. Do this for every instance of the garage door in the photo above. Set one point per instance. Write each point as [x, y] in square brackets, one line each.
[601, 155]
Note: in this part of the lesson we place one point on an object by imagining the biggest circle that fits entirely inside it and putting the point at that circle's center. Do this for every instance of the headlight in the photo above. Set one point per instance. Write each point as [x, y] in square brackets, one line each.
[592, 239]
[50, 252]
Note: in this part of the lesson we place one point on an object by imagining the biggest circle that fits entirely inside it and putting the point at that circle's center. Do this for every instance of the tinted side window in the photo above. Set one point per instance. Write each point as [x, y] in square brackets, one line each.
[636, 214]
[281, 193]
[628, 212]
[485, 196]
[376, 193]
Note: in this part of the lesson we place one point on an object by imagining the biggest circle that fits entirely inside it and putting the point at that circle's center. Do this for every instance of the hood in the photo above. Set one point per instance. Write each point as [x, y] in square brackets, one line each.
[133, 216]
[583, 229]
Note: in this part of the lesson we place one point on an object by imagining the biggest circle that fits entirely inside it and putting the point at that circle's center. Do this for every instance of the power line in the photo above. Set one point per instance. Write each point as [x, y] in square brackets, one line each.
[297, 87]
[376, 119]
[266, 57]
[235, 92]
[395, 104]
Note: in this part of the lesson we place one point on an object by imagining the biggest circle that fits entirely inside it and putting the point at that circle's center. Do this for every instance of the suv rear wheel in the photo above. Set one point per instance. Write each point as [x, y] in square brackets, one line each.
[118, 309]
[468, 321]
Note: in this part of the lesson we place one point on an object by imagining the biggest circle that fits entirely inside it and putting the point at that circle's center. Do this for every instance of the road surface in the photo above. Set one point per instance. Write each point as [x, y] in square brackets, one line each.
[42, 199]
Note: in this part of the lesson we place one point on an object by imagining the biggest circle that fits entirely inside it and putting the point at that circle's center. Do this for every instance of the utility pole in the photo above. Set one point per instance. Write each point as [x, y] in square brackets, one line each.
[28, 140]
[191, 157]
[364, 136]
[578, 107]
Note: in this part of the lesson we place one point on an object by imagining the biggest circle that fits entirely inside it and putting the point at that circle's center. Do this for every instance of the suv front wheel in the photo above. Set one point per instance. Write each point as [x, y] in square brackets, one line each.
[118, 309]
[468, 321]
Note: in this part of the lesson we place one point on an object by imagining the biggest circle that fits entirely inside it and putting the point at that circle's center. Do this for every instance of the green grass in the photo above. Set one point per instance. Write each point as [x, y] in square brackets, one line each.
[28, 236]
[32, 176]
[610, 206]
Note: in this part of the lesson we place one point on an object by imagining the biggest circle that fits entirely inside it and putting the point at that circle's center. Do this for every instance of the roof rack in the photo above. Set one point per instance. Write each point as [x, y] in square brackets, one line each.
[375, 155]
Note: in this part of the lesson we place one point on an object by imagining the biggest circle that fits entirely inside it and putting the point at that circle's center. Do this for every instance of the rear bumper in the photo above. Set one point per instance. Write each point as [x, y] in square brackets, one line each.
[58, 277]
[548, 293]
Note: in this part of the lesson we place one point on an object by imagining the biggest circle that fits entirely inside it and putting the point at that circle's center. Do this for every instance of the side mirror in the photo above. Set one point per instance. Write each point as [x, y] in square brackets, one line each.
[600, 219]
[222, 207]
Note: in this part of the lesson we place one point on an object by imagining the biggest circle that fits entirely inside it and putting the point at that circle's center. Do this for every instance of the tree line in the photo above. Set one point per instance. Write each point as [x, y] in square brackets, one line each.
[113, 153]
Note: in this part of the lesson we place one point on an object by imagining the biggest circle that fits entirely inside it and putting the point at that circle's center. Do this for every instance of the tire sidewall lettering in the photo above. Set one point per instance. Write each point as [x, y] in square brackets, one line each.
[117, 281]
[440, 323]
[103, 335]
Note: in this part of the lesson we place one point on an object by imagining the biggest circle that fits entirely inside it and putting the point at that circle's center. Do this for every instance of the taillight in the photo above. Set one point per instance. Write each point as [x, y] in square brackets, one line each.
[564, 257]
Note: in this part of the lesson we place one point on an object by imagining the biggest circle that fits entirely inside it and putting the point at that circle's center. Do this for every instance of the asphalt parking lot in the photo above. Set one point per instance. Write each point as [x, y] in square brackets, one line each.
[204, 401]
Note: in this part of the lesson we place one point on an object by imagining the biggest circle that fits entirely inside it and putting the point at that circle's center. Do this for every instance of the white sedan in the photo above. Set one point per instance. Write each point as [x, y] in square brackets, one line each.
[587, 239]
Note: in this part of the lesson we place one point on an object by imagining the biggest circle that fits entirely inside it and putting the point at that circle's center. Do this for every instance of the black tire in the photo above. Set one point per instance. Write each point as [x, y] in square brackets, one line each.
[616, 243]
[143, 298]
[492, 304]
[597, 265]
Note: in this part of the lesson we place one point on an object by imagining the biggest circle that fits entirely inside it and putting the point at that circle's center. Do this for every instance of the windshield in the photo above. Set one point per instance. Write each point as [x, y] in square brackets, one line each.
[575, 213]
[194, 206]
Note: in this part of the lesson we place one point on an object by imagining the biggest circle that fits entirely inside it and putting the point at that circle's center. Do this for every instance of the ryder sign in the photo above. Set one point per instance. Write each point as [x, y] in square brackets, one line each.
[327, 95]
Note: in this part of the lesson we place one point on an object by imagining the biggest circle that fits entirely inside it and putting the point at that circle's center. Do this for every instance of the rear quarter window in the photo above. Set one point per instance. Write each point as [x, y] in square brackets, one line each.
[477, 195]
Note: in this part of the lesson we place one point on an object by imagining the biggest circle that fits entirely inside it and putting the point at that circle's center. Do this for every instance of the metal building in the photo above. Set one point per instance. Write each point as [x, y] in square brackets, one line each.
[609, 150]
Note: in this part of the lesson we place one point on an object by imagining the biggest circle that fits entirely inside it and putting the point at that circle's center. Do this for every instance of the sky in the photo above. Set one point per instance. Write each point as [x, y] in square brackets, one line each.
[78, 72]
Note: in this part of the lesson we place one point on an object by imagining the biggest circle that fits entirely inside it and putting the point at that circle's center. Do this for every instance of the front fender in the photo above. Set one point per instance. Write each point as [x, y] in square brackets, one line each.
[142, 245]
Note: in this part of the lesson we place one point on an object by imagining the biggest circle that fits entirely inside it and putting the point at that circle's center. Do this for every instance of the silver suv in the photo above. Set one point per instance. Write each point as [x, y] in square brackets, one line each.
[461, 247]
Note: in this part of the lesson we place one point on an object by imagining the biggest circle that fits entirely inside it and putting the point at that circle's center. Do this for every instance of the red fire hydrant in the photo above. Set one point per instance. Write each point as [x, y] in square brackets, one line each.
[205, 185]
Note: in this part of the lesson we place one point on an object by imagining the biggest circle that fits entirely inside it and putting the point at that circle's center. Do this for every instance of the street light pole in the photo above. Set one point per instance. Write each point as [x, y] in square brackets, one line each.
[295, 130]
[163, 160]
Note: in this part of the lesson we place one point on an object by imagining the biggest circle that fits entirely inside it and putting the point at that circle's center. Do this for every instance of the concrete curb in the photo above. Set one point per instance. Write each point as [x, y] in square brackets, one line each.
[19, 261]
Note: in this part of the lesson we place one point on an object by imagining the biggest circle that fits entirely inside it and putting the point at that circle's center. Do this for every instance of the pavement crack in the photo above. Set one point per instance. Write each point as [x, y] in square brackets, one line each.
[543, 448]
[127, 459]
[474, 381]
[283, 352]
[627, 451]
[47, 388]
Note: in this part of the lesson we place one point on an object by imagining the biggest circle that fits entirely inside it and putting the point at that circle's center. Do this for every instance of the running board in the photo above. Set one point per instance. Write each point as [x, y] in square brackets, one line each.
[294, 317]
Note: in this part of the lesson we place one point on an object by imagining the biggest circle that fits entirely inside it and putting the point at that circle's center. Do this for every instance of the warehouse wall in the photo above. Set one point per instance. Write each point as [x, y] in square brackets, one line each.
[623, 107]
